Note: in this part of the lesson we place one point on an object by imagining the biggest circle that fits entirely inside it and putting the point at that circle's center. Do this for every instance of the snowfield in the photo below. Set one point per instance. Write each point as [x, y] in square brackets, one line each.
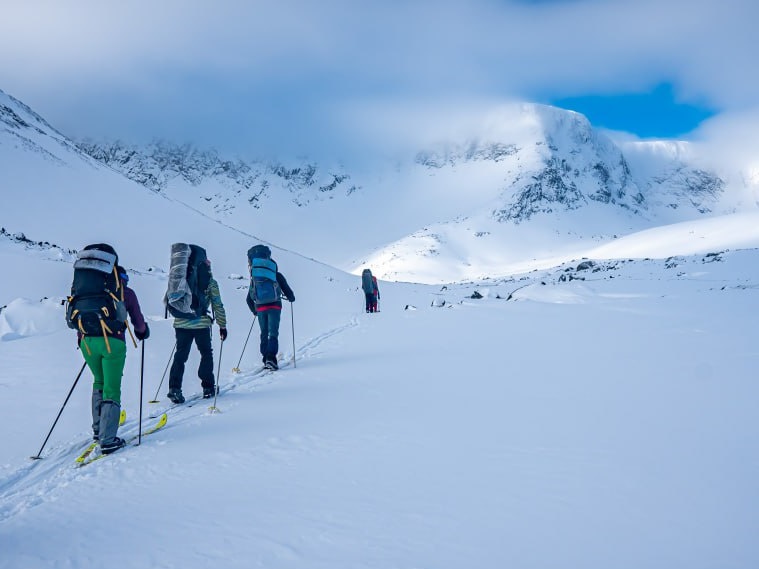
[599, 418]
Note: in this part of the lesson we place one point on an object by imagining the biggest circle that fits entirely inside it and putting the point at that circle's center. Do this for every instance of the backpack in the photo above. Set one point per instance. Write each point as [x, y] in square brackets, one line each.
[264, 288]
[96, 304]
[367, 283]
[189, 277]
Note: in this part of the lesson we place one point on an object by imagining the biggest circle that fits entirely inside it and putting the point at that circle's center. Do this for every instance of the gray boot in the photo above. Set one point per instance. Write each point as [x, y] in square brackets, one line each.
[109, 426]
[97, 401]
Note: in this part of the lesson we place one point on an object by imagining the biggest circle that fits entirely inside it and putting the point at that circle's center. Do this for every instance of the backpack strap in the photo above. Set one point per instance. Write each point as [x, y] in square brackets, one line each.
[119, 284]
[129, 329]
[106, 329]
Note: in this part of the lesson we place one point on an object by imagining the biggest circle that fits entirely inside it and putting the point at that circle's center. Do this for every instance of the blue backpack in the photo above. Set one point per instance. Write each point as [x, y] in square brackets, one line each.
[264, 288]
[367, 283]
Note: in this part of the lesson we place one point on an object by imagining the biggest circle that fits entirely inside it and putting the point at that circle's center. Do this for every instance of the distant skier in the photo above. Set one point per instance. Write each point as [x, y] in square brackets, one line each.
[371, 290]
[267, 285]
[97, 308]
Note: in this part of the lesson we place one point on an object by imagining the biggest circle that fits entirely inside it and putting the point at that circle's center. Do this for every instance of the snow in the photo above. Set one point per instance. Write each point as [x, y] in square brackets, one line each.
[599, 418]
[23, 318]
[597, 423]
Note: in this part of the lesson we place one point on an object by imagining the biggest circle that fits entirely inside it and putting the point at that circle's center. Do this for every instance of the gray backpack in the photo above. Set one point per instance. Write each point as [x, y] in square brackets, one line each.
[189, 277]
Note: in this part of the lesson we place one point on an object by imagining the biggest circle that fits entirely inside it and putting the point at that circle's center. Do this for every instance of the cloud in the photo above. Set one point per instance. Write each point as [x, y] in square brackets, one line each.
[731, 141]
[237, 72]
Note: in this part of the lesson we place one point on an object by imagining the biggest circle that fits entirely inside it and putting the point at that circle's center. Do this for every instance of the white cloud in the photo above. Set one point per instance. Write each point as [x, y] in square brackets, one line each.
[93, 66]
[732, 141]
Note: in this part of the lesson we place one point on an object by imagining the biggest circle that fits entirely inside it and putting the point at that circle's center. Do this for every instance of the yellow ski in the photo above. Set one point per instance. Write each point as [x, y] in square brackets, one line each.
[159, 425]
[82, 457]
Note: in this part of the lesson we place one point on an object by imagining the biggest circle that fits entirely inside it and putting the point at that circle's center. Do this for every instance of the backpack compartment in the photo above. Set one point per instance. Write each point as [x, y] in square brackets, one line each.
[198, 277]
[263, 269]
[264, 291]
[178, 295]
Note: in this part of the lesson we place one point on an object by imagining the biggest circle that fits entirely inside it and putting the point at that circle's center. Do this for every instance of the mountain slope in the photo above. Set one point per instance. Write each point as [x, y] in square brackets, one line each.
[530, 170]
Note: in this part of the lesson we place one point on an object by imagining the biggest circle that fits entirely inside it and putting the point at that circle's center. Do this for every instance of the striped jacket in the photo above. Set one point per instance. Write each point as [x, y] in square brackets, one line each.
[213, 296]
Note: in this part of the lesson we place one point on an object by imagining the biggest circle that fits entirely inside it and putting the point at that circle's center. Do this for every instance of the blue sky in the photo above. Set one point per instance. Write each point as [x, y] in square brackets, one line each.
[302, 77]
[651, 114]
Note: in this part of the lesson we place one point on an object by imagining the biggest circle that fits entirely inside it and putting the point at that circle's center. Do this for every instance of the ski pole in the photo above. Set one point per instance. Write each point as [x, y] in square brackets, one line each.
[155, 397]
[213, 407]
[142, 377]
[237, 368]
[292, 327]
[38, 456]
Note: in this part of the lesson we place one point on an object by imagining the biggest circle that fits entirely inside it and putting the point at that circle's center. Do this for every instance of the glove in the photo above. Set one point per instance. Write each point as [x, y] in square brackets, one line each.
[223, 334]
[291, 298]
[144, 335]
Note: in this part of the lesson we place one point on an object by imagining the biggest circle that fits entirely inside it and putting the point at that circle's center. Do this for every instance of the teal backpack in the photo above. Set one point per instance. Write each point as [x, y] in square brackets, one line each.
[264, 288]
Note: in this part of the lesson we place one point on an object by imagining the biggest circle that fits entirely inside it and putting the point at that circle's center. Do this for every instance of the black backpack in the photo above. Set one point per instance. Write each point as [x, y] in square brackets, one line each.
[264, 288]
[189, 277]
[96, 304]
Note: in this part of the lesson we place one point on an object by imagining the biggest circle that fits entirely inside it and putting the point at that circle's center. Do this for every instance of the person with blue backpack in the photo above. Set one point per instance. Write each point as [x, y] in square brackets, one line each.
[371, 290]
[267, 286]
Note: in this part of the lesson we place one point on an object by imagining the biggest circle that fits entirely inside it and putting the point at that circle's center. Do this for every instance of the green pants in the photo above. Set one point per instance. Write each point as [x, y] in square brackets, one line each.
[107, 368]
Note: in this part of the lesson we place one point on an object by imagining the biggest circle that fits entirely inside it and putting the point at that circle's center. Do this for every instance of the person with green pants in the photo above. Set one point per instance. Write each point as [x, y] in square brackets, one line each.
[105, 355]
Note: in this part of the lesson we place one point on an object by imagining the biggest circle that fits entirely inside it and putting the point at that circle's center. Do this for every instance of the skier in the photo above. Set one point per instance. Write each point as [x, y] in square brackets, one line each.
[198, 329]
[105, 355]
[267, 285]
[371, 290]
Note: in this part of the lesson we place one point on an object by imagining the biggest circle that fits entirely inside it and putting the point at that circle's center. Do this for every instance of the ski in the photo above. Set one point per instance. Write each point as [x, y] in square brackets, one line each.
[159, 425]
[90, 447]
[87, 452]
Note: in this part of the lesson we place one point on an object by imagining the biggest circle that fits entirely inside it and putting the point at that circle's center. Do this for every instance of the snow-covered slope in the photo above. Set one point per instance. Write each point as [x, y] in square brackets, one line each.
[54, 193]
[605, 410]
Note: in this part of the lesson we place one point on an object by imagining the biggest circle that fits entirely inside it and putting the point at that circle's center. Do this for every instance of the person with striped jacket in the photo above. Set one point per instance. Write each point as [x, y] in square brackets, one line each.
[198, 330]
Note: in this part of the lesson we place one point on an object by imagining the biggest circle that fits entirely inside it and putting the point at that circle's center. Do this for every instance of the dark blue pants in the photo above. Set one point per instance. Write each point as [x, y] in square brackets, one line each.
[268, 321]
[371, 302]
[185, 337]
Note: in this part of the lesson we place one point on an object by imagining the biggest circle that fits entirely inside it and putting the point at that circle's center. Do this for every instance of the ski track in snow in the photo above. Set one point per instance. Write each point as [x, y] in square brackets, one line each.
[43, 480]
